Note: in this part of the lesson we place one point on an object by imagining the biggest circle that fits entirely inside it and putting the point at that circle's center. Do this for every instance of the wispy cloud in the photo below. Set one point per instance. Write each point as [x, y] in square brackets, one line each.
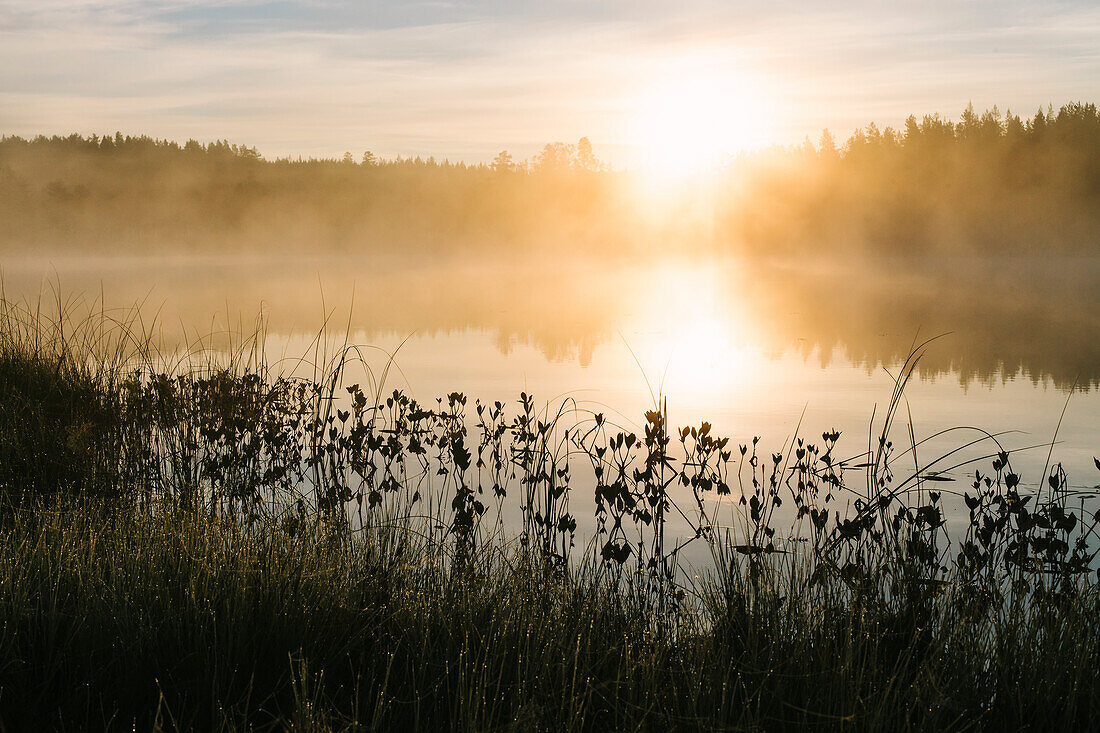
[465, 79]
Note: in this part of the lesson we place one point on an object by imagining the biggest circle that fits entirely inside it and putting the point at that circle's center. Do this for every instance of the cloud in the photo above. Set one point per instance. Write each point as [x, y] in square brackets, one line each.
[466, 79]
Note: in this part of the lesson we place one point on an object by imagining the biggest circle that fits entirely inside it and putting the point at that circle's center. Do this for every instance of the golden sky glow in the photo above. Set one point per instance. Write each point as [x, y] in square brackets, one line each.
[465, 80]
[692, 117]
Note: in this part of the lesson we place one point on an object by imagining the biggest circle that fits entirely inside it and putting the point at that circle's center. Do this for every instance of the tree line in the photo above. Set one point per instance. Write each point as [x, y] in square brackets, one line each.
[119, 193]
[988, 182]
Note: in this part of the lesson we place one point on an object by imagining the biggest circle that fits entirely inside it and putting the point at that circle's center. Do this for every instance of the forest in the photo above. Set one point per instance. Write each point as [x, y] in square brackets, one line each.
[988, 183]
[120, 194]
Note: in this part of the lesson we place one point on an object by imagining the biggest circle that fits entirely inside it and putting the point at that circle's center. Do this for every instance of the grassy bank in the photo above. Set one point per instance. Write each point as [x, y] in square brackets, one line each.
[181, 621]
[220, 547]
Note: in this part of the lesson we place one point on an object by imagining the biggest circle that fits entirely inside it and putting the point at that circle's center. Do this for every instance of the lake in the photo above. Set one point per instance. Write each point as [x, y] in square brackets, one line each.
[755, 347]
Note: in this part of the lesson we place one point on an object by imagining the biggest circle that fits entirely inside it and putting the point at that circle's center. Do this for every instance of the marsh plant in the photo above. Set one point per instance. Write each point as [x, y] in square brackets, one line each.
[206, 543]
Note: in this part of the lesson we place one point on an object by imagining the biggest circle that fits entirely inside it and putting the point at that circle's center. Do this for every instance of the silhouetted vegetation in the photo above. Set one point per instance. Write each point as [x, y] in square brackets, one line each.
[214, 545]
[989, 183]
[125, 194]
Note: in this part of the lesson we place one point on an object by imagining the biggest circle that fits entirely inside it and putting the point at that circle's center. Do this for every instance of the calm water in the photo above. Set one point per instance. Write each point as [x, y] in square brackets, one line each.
[754, 348]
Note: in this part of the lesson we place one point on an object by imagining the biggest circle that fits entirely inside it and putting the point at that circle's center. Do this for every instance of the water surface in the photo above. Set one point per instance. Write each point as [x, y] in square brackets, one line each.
[756, 348]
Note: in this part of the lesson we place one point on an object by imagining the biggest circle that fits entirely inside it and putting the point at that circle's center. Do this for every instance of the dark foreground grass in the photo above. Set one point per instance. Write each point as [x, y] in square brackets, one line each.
[180, 621]
[113, 619]
[224, 549]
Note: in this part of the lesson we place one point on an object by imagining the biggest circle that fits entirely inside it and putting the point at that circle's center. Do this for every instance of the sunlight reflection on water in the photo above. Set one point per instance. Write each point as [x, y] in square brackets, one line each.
[754, 351]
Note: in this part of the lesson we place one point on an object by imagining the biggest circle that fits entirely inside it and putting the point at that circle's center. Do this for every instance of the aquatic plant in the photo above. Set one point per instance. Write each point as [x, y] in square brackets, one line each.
[215, 545]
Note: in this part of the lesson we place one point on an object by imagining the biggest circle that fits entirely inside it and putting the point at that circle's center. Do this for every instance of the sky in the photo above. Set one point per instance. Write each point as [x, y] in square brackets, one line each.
[464, 80]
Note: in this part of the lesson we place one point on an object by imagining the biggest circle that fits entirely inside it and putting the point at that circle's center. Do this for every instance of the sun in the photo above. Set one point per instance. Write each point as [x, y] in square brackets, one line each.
[692, 119]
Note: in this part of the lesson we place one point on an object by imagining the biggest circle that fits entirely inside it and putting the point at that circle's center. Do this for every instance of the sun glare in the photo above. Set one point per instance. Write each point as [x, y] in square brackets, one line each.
[691, 120]
[690, 336]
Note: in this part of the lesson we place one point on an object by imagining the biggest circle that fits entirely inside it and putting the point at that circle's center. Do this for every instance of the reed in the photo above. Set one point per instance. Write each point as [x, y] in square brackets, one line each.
[207, 543]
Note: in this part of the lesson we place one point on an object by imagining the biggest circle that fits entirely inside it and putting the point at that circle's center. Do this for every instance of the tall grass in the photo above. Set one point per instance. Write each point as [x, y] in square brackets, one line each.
[212, 545]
